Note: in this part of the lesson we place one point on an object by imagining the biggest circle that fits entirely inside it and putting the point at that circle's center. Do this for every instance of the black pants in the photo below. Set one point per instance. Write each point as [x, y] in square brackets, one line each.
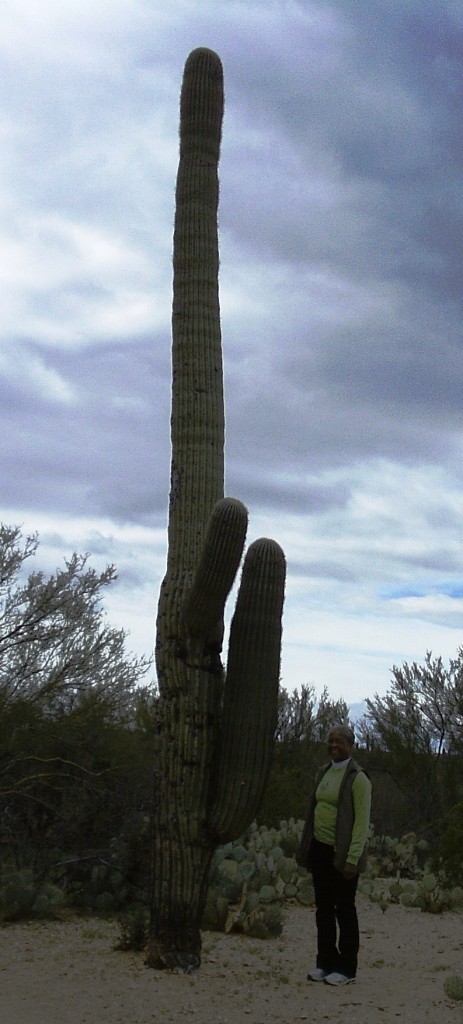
[334, 902]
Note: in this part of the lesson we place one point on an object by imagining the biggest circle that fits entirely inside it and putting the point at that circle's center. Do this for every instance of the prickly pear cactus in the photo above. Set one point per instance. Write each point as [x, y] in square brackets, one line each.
[214, 727]
[251, 880]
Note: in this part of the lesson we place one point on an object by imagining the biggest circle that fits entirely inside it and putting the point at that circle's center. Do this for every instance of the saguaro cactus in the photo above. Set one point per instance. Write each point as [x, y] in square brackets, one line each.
[214, 728]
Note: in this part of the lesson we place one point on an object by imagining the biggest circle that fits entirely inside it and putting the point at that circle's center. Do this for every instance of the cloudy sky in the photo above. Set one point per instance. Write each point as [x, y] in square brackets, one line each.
[341, 286]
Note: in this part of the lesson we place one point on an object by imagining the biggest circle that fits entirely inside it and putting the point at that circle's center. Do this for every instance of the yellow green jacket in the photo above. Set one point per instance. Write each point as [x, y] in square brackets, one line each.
[348, 829]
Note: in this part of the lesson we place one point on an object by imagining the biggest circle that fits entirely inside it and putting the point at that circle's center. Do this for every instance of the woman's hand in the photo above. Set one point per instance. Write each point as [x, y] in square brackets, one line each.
[349, 871]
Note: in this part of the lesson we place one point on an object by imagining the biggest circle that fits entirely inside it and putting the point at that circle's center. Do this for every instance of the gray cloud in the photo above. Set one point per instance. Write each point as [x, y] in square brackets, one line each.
[322, 570]
[105, 449]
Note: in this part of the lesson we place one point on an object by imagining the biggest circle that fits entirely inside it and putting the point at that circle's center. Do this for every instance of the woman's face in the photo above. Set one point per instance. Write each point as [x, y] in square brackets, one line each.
[338, 746]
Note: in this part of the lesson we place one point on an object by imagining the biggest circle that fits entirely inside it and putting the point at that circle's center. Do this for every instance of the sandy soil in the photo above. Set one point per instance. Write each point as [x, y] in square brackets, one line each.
[67, 972]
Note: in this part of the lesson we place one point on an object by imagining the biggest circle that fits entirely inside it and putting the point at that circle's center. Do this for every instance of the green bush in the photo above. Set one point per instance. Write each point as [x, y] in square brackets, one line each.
[266, 921]
[133, 926]
[22, 896]
[453, 987]
[448, 858]
[48, 901]
[18, 893]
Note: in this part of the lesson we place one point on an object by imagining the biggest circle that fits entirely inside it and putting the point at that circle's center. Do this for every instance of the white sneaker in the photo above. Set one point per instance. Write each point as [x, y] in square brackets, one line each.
[338, 979]
[317, 974]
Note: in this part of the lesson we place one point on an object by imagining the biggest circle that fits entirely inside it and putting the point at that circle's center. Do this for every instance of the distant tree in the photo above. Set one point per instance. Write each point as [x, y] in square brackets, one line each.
[56, 648]
[417, 723]
[329, 712]
[296, 715]
[422, 711]
[69, 702]
[455, 733]
[304, 717]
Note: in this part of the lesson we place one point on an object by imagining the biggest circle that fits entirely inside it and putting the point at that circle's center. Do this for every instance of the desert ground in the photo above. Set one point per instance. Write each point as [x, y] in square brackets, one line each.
[68, 972]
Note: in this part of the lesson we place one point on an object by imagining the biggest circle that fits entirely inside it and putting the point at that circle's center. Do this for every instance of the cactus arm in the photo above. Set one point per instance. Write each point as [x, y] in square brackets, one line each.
[221, 555]
[251, 691]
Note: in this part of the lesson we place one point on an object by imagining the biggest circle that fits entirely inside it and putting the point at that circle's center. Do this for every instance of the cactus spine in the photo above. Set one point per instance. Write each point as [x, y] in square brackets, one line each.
[214, 728]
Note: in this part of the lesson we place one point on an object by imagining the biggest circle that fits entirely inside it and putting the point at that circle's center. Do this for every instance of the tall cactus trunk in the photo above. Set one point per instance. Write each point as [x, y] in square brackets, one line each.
[204, 793]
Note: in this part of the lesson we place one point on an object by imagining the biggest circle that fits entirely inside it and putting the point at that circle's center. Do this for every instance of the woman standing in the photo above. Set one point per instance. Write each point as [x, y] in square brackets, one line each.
[333, 848]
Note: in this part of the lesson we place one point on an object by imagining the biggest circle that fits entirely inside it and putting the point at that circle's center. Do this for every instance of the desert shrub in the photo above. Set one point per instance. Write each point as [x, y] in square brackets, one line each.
[48, 902]
[453, 987]
[133, 926]
[100, 882]
[18, 893]
[286, 793]
[22, 897]
[447, 858]
[266, 921]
